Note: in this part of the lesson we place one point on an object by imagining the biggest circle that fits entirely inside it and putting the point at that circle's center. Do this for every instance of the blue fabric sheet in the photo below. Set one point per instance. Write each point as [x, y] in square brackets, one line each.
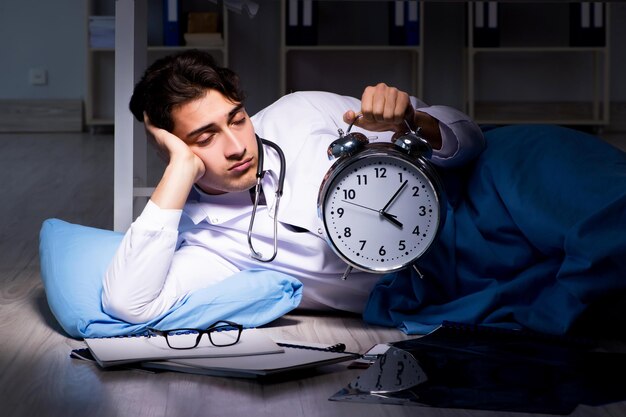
[535, 234]
[74, 259]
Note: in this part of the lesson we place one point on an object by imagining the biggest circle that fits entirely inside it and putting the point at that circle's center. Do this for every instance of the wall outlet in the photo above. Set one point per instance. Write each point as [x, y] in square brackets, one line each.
[38, 76]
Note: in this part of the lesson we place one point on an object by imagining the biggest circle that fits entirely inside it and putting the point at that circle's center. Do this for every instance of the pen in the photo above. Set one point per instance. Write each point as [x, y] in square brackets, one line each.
[337, 348]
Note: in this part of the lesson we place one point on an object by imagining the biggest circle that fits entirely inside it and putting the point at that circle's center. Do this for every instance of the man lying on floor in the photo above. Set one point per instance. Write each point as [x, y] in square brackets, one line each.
[531, 236]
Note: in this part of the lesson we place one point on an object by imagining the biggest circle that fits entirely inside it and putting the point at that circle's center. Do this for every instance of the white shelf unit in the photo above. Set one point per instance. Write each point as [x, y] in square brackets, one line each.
[521, 60]
[367, 58]
[100, 66]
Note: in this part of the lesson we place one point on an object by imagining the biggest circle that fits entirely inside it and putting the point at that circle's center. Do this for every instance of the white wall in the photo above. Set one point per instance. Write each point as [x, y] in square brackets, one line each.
[42, 34]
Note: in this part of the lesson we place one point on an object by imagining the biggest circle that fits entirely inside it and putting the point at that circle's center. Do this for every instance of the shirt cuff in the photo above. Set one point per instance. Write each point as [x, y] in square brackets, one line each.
[445, 116]
[155, 218]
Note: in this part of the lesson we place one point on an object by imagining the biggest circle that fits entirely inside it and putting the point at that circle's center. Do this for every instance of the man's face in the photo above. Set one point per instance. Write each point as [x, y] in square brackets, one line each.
[221, 134]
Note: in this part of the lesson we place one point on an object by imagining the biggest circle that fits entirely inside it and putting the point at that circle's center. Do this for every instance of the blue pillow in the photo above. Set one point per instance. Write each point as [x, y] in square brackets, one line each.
[74, 259]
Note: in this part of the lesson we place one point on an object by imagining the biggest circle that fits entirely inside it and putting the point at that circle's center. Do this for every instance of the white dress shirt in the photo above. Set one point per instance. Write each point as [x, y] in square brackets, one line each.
[166, 254]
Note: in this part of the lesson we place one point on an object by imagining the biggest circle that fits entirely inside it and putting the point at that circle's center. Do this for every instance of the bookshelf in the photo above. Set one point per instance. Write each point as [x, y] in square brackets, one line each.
[538, 63]
[100, 65]
[356, 42]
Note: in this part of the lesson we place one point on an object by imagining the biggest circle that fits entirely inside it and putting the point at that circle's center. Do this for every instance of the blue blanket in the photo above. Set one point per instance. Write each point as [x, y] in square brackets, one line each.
[74, 259]
[535, 235]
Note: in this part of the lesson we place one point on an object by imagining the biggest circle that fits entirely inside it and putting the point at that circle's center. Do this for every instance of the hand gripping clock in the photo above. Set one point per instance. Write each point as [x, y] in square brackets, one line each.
[382, 204]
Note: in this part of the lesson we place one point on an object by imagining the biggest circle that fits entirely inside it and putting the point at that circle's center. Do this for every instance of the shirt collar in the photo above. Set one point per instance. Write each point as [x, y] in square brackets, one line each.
[221, 208]
[216, 209]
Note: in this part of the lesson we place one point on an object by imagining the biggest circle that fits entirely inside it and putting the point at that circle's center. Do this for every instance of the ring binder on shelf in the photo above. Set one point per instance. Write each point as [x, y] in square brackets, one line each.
[172, 34]
[301, 25]
[404, 22]
[486, 24]
[587, 21]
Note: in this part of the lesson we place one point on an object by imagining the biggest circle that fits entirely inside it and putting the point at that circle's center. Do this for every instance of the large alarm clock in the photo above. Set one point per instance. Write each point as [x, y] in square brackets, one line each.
[382, 204]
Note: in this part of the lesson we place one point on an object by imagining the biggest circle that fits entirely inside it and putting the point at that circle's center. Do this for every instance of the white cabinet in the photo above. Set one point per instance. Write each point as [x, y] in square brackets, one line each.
[100, 66]
[538, 63]
[343, 46]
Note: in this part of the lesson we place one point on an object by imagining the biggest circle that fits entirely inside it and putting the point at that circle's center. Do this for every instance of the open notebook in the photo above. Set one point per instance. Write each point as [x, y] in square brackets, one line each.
[255, 355]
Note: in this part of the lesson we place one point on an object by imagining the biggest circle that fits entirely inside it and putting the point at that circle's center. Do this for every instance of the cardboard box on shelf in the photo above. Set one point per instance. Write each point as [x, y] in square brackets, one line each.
[202, 22]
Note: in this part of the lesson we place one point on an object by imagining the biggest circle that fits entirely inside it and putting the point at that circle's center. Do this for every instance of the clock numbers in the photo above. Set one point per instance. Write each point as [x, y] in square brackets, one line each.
[349, 194]
[382, 213]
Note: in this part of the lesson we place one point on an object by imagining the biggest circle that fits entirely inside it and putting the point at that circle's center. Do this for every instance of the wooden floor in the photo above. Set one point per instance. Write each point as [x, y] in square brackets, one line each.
[69, 176]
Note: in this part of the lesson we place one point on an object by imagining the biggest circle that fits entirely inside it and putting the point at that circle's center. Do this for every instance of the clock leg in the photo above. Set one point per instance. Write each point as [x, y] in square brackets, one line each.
[346, 273]
[418, 271]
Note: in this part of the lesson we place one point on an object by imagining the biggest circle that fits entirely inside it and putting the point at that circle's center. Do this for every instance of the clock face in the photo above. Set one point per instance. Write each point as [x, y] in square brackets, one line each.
[380, 212]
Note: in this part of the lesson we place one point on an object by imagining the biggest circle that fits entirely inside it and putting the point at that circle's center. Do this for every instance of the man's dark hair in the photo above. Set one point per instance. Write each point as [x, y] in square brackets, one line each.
[178, 79]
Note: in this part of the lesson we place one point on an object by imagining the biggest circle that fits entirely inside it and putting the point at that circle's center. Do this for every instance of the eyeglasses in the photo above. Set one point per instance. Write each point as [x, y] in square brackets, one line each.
[221, 333]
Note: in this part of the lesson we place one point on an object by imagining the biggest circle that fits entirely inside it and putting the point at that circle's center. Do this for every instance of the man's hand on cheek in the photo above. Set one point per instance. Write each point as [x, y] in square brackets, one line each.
[173, 150]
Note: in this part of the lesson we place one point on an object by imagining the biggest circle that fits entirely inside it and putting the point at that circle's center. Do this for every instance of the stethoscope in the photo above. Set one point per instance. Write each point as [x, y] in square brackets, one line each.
[257, 192]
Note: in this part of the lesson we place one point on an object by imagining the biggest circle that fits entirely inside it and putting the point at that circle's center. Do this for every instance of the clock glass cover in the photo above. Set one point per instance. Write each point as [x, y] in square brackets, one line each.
[381, 212]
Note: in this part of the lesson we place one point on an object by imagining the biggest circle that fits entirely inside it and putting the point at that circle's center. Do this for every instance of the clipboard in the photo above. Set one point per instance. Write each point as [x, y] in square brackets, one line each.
[489, 368]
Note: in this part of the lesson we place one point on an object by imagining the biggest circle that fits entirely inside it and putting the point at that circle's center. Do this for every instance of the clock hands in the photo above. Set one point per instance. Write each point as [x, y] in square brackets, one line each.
[390, 217]
[383, 211]
[393, 197]
[359, 205]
